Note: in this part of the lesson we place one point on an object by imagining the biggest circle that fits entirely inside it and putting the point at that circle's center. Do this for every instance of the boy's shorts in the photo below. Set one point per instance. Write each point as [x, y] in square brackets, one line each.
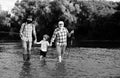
[43, 53]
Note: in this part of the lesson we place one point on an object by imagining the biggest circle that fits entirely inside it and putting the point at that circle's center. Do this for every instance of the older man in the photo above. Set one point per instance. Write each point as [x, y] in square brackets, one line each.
[26, 31]
[60, 34]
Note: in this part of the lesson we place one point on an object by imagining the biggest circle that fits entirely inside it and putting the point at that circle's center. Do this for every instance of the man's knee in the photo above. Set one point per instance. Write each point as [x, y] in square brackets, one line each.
[24, 43]
[64, 48]
[30, 46]
[59, 49]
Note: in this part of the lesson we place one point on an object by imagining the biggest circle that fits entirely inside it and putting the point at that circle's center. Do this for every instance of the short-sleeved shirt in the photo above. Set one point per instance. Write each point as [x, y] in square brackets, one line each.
[27, 32]
[60, 35]
[44, 45]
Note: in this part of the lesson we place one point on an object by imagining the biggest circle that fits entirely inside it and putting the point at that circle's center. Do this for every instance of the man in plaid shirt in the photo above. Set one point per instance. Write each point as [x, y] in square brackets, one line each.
[26, 31]
[60, 34]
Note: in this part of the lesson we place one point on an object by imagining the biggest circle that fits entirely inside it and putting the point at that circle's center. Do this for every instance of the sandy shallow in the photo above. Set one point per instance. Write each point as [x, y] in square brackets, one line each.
[79, 62]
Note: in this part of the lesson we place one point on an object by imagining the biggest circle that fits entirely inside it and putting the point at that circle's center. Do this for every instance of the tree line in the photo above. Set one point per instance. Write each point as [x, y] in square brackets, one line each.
[91, 20]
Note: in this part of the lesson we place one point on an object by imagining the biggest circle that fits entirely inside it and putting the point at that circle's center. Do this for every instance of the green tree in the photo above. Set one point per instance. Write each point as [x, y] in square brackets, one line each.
[4, 18]
[86, 17]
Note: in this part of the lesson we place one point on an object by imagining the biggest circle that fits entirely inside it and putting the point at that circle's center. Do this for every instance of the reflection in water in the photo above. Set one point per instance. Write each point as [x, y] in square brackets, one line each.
[1, 49]
[105, 62]
[25, 72]
[60, 71]
[53, 70]
[43, 63]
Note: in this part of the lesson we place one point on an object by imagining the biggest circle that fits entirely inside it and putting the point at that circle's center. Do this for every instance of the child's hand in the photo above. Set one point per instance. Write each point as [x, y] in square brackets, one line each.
[50, 44]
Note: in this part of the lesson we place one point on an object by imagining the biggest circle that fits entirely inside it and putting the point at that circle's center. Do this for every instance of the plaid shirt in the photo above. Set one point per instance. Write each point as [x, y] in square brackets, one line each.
[60, 35]
[27, 32]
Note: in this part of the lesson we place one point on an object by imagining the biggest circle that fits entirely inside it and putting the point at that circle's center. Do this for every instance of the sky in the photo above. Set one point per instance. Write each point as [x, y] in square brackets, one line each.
[7, 5]
[114, 0]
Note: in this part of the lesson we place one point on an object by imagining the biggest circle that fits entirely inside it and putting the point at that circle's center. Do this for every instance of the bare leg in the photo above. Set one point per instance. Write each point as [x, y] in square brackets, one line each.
[29, 47]
[24, 43]
[41, 57]
[63, 50]
[29, 50]
[59, 53]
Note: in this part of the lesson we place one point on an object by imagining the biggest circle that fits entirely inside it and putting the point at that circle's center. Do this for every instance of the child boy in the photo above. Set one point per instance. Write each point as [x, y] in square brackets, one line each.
[44, 46]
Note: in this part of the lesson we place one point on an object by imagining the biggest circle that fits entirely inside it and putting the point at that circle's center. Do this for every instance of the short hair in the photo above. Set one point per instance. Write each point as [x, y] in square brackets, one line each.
[46, 36]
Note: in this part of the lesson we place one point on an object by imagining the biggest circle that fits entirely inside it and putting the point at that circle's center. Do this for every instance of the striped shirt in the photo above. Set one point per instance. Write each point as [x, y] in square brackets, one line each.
[60, 35]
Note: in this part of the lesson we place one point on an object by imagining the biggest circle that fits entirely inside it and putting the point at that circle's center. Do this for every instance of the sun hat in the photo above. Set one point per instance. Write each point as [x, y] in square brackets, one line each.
[60, 22]
[29, 19]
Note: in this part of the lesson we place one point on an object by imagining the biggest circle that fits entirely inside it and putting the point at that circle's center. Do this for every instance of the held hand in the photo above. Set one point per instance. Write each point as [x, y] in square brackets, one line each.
[21, 34]
[50, 44]
[35, 41]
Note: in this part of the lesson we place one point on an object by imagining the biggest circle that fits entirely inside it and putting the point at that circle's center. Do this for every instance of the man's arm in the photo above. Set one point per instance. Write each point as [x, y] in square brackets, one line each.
[53, 37]
[34, 32]
[21, 29]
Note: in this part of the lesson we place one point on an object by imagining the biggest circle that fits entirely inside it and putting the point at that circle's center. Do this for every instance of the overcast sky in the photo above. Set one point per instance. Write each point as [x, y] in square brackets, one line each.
[9, 4]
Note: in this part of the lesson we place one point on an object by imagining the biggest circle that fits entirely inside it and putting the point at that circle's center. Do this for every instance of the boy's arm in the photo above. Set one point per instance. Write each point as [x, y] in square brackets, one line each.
[37, 42]
[48, 44]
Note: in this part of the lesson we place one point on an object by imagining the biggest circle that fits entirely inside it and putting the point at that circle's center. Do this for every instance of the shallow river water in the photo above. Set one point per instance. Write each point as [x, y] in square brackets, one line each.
[79, 62]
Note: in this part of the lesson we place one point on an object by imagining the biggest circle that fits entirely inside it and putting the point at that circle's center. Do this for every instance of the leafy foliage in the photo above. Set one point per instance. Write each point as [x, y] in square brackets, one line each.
[4, 18]
[89, 19]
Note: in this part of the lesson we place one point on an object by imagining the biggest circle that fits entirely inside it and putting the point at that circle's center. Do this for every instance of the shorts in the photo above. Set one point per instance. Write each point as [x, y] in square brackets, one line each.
[26, 38]
[43, 53]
